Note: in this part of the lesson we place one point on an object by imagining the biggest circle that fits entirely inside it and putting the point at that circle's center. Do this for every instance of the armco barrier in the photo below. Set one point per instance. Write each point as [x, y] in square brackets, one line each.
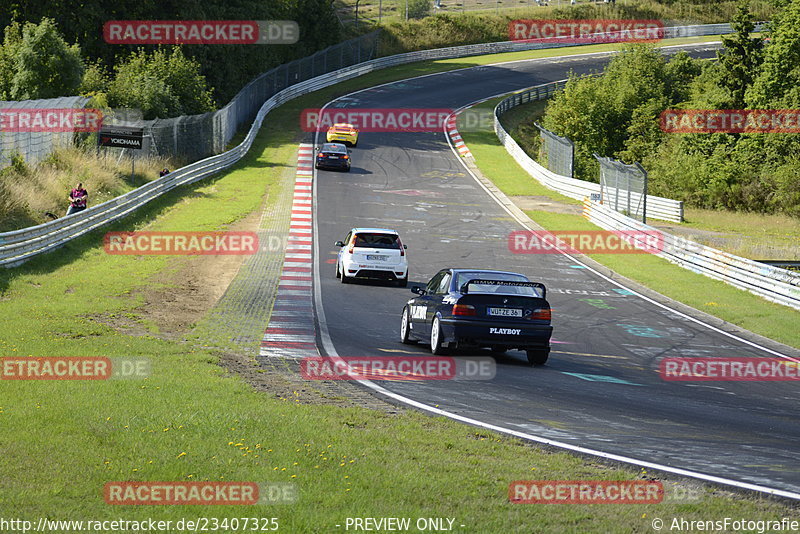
[21, 245]
[657, 207]
[772, 283]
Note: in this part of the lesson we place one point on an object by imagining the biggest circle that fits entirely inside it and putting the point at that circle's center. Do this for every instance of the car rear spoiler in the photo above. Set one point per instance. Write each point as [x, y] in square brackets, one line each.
[539, 287]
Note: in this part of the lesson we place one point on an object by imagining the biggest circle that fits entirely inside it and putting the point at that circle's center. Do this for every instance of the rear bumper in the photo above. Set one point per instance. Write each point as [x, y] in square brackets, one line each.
[342, 139]
[509, 335]
[333, 164]
[380, 272]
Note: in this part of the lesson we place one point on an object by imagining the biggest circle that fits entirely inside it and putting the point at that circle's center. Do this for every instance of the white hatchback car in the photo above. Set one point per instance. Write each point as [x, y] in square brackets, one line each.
[372, 253]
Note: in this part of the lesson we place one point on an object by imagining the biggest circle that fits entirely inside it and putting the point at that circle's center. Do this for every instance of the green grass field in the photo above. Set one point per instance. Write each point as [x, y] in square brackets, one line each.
[191, 420]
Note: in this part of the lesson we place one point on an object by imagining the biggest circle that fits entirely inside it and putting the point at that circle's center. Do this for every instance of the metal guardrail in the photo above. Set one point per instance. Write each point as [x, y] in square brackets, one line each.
[772, 283]
[18, 246]
[793, 265]
[657, 207]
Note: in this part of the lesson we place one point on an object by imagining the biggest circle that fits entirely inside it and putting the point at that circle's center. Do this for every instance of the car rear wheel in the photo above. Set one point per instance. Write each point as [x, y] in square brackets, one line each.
[338, 272]
[402, 282]
[345, 280]
[538, 356]
[437, 346]
[405, 328]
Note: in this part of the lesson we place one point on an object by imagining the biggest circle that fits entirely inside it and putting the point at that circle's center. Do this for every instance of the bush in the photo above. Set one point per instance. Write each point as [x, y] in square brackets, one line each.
[419, 9]
[160, 84]
[95, 80]
[44, 65]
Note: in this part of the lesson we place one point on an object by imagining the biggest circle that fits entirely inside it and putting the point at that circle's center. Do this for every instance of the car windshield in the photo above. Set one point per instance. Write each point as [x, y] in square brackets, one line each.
[333, 147]
[377, 240]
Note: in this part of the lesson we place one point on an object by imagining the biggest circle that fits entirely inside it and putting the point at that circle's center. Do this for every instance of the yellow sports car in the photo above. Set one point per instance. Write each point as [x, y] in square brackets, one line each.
[343, 133]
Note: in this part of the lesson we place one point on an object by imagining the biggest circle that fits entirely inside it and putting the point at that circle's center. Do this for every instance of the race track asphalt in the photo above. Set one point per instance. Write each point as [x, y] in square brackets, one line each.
[601, 387]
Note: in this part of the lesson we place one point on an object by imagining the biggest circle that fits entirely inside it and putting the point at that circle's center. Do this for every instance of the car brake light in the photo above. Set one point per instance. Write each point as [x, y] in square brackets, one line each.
[463, 309]
[345, 157]
[542, 314]
[352, 245]
[402, 252]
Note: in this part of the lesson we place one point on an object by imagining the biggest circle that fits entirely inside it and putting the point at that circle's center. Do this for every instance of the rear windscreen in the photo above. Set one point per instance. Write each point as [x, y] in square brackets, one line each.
[377, 241]
[464, 277]
[494, 289]
[334, 148]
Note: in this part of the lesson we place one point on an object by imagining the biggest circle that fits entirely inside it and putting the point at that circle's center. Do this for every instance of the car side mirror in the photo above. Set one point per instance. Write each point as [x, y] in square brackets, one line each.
[338, 244]
[405, 247]
[418, 290]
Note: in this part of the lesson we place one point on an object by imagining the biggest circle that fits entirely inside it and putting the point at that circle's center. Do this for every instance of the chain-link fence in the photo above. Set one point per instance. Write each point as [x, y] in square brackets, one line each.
[623, 187]
[192, 137]
[30, 128]
[188, 137]
[557, 153]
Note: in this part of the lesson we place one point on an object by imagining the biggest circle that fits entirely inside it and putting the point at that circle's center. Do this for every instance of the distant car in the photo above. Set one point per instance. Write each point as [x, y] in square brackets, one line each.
[479, 308]
[372, 253]
[333, 156]
[346, 133]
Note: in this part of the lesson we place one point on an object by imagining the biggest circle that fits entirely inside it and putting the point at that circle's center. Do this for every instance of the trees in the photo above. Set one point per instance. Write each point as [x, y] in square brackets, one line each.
[8, 52]
[617, 114]
[740, 57]
[419, 9]
[36, 62]
[777, 83]
[162, 84]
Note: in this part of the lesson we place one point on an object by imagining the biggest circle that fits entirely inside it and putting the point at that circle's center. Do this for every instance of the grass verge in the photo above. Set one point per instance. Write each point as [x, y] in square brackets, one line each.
[711, 296]
[191, 421]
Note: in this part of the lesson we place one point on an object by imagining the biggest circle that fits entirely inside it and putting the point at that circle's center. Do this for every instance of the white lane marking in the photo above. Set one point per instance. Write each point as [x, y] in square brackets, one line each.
[330, 349]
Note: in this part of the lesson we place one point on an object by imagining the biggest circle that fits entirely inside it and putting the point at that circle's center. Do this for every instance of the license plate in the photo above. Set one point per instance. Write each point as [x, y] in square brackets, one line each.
[376, 258]
[333, 157]
[505, 312]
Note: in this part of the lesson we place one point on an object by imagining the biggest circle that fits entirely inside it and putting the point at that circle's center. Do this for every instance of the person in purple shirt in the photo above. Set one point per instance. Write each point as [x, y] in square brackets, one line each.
[77, 199]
